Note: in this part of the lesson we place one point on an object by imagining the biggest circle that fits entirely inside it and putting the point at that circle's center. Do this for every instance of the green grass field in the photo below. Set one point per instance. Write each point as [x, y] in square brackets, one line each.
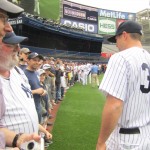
[49, 9]
[78, 119]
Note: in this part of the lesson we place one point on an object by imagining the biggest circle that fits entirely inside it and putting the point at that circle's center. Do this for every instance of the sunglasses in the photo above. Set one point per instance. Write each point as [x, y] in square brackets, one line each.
[3, 18]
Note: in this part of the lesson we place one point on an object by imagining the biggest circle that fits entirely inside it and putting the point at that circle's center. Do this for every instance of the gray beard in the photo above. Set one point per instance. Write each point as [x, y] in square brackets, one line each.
[7, 63]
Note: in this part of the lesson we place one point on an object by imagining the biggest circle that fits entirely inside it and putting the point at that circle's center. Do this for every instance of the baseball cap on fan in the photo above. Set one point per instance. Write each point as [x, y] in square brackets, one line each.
[12, 38]
[12, 10]
[25, 50]
[127, 26]
[46, 66]
[33, 55]
[41, 71]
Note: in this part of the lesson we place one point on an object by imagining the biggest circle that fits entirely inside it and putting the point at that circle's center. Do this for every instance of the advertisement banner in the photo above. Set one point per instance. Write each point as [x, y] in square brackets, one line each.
[80, 12]
[88, 27]
[106, 26]
[116, 14]
[15, 21]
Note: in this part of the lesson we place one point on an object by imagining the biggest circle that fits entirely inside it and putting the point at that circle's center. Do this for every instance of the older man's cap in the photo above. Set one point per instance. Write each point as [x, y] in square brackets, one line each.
[127, 26]
[34, 55]
[12, 10]
[12, 38]
[25, 50]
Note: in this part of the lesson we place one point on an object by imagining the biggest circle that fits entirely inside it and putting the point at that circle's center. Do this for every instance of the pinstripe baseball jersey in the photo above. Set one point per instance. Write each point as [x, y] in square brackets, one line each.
[128, 78]
[20, 114]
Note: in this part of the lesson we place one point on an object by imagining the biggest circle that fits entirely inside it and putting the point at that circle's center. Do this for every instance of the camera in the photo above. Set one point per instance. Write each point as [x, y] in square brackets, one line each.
[31, 145]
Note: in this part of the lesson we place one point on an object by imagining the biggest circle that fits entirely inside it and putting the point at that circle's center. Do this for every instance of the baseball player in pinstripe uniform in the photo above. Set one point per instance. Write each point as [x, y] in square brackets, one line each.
[126, 83]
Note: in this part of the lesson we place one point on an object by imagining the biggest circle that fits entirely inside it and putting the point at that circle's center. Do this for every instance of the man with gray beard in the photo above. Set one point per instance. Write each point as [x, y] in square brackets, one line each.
[16, 117]
[14, 92]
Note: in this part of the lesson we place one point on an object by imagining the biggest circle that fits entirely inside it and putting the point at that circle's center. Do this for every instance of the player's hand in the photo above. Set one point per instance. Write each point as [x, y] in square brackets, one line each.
[101, 146]
[27, 137]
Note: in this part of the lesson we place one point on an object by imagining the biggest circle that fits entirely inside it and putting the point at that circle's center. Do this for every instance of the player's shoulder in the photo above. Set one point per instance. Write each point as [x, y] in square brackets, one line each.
[127, 53]
[116, 56]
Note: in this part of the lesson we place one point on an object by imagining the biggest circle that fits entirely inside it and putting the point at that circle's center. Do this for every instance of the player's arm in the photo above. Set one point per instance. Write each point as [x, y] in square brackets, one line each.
[111, 113]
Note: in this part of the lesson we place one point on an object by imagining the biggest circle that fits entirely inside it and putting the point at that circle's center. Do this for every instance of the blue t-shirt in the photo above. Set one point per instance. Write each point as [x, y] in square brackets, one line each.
[35, 84]
[94, 69]
[23, 67]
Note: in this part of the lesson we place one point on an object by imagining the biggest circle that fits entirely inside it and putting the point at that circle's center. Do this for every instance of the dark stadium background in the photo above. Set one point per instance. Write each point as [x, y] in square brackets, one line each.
[82, 47]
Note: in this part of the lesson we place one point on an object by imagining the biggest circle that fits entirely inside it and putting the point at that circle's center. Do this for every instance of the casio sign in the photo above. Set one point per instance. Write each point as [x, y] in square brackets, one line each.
[85, 26]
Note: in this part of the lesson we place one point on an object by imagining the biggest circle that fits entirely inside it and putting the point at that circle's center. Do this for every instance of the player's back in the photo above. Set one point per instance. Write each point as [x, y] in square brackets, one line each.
[136, 110]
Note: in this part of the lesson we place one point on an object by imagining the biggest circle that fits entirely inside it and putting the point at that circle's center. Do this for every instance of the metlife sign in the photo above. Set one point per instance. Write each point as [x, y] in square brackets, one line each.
[106, 26]
[116, 14]
[88, 27]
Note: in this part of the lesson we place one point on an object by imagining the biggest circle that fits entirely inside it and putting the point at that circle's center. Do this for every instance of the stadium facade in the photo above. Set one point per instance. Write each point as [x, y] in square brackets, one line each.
[78, 34]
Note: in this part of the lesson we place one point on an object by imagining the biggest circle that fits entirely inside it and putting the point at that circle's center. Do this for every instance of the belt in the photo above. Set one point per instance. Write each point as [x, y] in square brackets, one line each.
[129, 131]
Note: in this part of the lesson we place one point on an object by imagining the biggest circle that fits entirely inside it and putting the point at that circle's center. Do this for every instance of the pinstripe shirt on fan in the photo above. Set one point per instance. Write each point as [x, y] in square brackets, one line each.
[20, 114]
[130, 82]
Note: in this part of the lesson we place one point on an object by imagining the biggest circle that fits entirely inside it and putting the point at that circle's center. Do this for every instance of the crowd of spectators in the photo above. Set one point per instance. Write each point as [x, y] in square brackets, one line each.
[50, 78]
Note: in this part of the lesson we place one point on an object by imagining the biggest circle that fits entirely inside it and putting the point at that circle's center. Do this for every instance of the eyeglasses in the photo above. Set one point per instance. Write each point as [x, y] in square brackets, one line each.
[4, 18]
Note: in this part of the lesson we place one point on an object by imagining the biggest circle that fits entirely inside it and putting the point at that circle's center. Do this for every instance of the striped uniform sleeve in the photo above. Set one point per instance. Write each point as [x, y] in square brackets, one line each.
[115, 78]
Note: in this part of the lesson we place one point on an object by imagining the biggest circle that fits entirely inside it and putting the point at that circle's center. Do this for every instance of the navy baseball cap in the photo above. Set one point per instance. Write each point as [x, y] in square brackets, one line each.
[12, 10]
[129, 27]
[33, 55]
[12, 38]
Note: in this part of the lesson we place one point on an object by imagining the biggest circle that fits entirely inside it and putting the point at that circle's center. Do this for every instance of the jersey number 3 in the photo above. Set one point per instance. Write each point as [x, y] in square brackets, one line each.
[143, 87]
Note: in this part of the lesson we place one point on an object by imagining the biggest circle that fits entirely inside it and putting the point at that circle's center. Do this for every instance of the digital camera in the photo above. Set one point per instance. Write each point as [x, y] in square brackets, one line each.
[31, 145]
